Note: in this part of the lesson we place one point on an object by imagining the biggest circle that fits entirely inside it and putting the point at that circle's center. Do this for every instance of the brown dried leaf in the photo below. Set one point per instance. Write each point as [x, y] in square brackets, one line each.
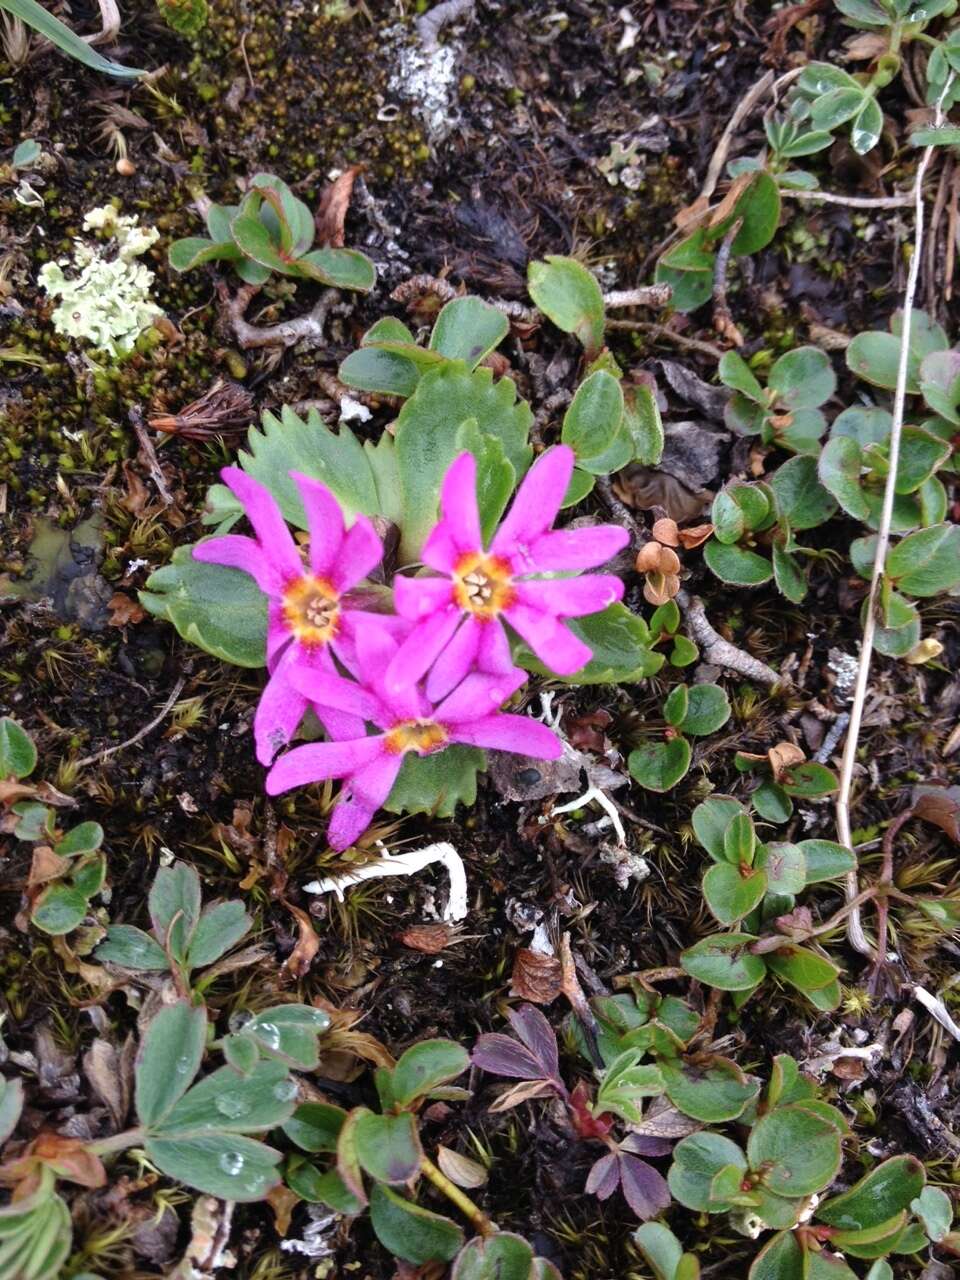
[783, 757]
[939, 805]
[525, 1091]
[536, 976]
[69, 1158]
[282, 1201]
[695, 536]
[461, 1170]
[728, 203]
[663, 1120]
[667, 532]
[648, 558]
[299, 960]
[124, 611]
[428, 938]
[332, 208]
[692, 214]
[865, 46]
[110, 1073]
[137, 497]
[658, 588]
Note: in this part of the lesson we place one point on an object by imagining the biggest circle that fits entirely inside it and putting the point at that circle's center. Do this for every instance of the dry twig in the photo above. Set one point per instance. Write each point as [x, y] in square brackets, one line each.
[99, 756]
[284, 334]
[719, 652]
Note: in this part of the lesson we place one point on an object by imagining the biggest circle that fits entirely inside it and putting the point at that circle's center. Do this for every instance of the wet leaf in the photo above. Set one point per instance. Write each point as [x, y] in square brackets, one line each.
[226, 1165]
[169, 1058]
[411, 1232]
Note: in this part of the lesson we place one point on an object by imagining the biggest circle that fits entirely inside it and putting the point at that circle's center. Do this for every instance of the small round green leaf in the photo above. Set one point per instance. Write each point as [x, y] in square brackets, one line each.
[708, 709]
[796, 1151]
[18, 755]
[723, 961]
[411, 1232]
[736, 565]
[660, 765]
[803, 378]
[730, 894]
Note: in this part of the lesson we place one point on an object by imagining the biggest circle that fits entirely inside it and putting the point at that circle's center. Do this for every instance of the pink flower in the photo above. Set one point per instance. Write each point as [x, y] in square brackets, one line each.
[458, 617]
[309, 614]
[410, 723]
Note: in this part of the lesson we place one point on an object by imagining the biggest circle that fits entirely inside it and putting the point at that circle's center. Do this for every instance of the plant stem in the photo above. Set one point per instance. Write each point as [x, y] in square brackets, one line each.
[453, 1193]
[119, 1142]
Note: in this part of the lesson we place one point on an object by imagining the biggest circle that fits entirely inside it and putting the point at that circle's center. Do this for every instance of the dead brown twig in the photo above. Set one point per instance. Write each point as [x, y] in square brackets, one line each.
[283, 334]
[723, 321]
[719, 652]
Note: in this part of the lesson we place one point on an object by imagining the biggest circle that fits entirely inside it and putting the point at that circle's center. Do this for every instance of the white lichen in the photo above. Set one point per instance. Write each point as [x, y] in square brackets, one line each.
[107, 302]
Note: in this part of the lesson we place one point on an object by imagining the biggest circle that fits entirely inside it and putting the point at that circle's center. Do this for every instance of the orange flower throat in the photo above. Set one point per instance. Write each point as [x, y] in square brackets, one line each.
[421, 736]
[483, 584]
[311, 609]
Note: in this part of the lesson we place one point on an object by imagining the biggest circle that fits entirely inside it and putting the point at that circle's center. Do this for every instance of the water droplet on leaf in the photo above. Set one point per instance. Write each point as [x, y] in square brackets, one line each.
[231, 1105]
[231, 1162]
[269, 1034]
[285, 1090]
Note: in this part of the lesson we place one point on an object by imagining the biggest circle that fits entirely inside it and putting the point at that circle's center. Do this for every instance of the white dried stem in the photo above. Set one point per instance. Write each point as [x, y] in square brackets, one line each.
[404, 864]
[605, 803]
[855, 934]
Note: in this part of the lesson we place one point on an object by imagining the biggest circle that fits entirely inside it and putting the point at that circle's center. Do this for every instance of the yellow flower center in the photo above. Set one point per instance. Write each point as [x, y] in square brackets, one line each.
[482, 584]
[421, 736]
[311, 609]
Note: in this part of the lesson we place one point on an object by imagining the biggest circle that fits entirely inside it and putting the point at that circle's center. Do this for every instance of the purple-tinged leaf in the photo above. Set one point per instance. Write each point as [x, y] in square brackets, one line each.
[503, 1056]
[604, 1178]
[645, 1190]
[639, 1144]
[538, 1035]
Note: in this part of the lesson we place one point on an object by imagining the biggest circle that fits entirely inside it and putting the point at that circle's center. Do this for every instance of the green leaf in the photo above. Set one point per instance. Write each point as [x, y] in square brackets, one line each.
[60, 909]
[697, 1160]
[85, 838]
[809, 779]
[291, 443]
[921, 454]
[926, 562]
[729, 522]
[797, 1151]
[338, 268]
[840, 467]
[220, 610]
[228, 1166]
[320, 1188]
[315, 1126]
[772, 802]
[864, 423]
[426, 445]
[496, 478]
[827, 998]
[614, 458]
[723, 961]
[710, 821]
[502, 1256]
[436, 784]
[800, 498]
[593, 418]
[625, 1084]
[194, 251]
[567, 293]
[254, 241]
[174, 902]
[683, 653]
[939, 380]
[643, 424]
[785, 866]
[803, 969]
[240, 1052]
[660, 1247]
[739, 842]
[220, 927]
[936, 136]
[710, 1089]
[289, 1032]
[826, 860]
[89, 874]
[877, 1197]
[34, 821]
[384, 372]
[788, 575]
[59, 34]
[875, 357]
[169, 1057]
[836, 107]
[867, 127]
[759, 209]
[388, 1147]
[620, 641]
[880, 1270]
[424, 1066]
[736, 565]
[676, 705]
[689, 289]
[411, 1232]
[581, 483]
[780, 1259]
[468, 329]
[18, 755]
[735, 373]
[708, 710]
[803, 378]
[11, 1105]
[131, 948]
[730, 894]
[658, 766]
[228, 1102]
[934, 1208]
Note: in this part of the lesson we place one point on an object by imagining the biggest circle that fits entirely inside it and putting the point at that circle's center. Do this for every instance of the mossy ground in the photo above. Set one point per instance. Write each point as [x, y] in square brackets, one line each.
[301, 90]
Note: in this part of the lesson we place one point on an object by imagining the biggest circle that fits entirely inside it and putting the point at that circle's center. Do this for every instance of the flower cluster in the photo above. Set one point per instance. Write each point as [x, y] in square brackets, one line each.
[438, 669]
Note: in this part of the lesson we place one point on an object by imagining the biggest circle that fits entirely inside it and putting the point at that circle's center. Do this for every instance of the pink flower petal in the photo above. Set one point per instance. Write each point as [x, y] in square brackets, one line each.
[321, 760]
[454, 661]
[324, 520]
[328, 690]
[358, 555]
[278, 715]
[274, 537]
[519, 734]
[339, 725]
[478, 697]
[440, 550]
[553, 643]
[417, 597]
[566, 550]
[236, 551]
[361, 797]
[493, 652]
[279, 635]
[420, 649]
[536, 503]
[571, 597]
[458, 502]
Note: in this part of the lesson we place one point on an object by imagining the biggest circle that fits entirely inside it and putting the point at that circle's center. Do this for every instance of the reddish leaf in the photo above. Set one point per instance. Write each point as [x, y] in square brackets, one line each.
[941, 806]
[604, 1178]
[537, 1034]
[332, 208]
[645, 1190]
[502, 1056]
[536, 976]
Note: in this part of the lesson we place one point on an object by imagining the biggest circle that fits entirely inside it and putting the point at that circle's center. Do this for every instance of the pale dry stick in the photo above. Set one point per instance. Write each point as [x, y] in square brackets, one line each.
[854, 202]
[855, 934]
[99, 756]
[284, 334]
[430, 24]
[719, 652]
[766, 84]
[648, 295]
[723, 321]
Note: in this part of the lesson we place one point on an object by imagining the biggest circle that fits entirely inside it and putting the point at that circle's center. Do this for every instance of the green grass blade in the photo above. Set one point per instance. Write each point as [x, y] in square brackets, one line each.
[35, 16]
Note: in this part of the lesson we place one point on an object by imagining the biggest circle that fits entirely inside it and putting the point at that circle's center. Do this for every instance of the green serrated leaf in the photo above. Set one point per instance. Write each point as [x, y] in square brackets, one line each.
[436, 784]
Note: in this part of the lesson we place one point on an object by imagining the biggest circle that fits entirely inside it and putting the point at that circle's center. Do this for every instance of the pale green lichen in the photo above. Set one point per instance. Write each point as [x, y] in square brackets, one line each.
[108, 301]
